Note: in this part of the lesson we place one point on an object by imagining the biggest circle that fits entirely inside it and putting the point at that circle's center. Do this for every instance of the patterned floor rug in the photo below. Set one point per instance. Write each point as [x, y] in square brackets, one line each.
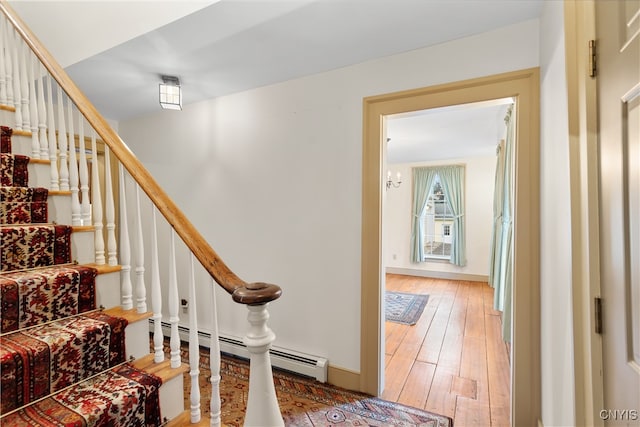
[404, 308]
[305, 402]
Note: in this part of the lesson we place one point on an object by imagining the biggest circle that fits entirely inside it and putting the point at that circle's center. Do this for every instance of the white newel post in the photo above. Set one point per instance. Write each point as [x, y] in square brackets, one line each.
[262, 404]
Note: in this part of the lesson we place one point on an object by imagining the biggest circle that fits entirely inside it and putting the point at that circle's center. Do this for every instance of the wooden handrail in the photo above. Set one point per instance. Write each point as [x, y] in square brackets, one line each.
[241, 291]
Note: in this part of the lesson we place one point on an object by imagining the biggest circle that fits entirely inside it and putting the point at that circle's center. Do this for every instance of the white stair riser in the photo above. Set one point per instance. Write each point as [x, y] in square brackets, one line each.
[137, 339]
[59, 208]
[21, 144]
[39, 174]
[82, 248]
[171, 402]
[108, 289]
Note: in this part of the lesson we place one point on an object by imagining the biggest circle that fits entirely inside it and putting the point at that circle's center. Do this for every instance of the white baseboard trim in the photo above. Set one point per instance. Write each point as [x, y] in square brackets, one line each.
[450, 275]
[290, 360]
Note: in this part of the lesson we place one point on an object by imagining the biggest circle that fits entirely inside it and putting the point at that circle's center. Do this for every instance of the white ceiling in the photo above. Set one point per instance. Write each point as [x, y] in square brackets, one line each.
[470, 130]
[228, 46]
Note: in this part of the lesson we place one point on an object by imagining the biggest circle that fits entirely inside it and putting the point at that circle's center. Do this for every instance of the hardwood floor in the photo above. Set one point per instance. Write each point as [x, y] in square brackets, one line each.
[453, 360]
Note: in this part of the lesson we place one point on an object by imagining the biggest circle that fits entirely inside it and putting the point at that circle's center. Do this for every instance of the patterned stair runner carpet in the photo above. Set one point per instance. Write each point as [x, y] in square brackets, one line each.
[53, 340]
[23, 205]
[31, 246]
[13, 170]
[5, 139]
[30, 297]
[123, 396]
[44, 359]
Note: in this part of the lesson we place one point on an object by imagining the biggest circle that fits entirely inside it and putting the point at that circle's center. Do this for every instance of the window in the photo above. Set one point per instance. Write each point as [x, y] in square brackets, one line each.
[437, 220]
[437, 224]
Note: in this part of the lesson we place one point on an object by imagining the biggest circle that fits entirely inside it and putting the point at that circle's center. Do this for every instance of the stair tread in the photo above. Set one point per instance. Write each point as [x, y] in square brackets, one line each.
[163, 370]
[131, 316]
[184, 419]
[104, 268]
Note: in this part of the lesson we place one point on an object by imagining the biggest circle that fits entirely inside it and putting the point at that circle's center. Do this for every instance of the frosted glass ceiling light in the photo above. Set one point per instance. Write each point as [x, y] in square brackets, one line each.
[170, 93]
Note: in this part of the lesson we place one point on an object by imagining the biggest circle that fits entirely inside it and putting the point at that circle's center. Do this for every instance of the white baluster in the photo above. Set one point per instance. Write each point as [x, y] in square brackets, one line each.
[214, 361]
[125, 247]
[17, 100]
[63, 144]
[85, 205]
[24, 85]
[174, 341]
[96, 202]
[156, 292]
[35, 140]
[76, 216]
[262, 404]
[3, 67]
[110, 212]
[8, 62]
[141, 291]
[53, 144]
[194, 346]
[42, 116]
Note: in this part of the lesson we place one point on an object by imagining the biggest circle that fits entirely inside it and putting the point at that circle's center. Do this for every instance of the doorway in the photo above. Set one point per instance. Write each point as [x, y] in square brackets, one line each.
[523, 86]
[452, 360]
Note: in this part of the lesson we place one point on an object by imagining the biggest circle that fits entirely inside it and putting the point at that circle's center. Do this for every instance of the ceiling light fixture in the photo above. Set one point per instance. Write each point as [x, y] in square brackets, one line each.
[170, 93]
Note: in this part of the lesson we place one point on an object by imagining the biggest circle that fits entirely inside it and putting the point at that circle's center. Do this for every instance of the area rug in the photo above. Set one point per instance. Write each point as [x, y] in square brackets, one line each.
[403, 307]
[304, 402]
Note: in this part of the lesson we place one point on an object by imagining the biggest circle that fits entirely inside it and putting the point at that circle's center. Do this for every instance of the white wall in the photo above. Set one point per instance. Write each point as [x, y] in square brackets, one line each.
[272, 178]
[555, 293]
[479, 183]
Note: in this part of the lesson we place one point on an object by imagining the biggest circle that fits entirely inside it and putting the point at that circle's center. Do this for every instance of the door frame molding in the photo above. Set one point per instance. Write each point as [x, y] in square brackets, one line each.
[524, 86]
[579, 25]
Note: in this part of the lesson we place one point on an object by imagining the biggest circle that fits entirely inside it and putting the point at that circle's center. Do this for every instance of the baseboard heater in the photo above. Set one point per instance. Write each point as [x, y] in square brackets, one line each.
[300, 363]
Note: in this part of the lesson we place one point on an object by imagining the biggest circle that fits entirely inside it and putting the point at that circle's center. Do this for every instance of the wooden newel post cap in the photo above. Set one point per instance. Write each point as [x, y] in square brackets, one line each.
[256, 293]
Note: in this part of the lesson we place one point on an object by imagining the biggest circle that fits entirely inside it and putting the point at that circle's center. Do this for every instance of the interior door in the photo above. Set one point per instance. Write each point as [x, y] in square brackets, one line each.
[618, 62]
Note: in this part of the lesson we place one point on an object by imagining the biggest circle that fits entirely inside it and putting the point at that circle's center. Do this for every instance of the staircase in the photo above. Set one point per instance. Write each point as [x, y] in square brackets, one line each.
[74, 320]
[58, 347]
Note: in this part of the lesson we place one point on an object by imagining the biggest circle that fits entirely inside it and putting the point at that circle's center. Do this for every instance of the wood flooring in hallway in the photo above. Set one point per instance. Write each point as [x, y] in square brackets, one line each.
[453, 361]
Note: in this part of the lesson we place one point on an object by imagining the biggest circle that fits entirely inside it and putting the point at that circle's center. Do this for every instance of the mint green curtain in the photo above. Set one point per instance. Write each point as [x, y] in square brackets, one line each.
[422, 182]
[452, 181]
[501, 266]
[496, 233]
